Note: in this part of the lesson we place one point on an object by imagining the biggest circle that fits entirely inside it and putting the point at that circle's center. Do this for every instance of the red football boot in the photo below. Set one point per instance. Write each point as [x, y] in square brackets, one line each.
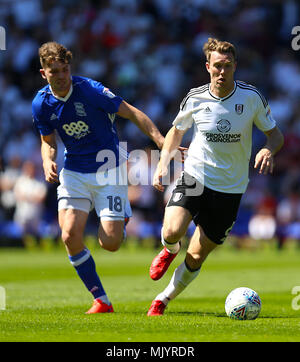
[157, 308]
[100, 307]
[161, 263]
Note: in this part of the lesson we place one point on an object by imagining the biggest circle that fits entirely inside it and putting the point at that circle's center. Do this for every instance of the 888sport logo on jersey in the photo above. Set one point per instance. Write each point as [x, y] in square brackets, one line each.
[76, 129]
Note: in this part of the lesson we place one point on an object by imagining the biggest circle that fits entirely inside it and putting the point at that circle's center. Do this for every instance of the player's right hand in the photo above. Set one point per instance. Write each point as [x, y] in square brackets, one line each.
[157, 178]
[50, 171]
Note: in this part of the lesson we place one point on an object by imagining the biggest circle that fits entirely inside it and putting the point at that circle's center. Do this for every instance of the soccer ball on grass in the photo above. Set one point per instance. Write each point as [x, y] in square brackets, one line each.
[243, 303]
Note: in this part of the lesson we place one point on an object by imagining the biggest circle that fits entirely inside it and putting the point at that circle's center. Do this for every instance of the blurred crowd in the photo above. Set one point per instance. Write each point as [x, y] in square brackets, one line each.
[150, 53]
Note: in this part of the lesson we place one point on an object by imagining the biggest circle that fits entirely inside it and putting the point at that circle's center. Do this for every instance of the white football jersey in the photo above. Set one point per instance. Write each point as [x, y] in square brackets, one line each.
[221, 145]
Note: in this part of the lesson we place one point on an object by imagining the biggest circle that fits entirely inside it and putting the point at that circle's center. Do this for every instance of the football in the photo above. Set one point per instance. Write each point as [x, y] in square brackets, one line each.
[243, 303]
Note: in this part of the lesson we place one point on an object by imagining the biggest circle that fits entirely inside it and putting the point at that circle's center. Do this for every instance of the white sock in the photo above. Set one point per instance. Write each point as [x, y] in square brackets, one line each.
[172, 248]
[181, 278]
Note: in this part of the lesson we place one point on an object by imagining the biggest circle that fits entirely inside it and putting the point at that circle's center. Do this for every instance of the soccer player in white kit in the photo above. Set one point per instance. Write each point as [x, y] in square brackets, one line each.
[215, 174]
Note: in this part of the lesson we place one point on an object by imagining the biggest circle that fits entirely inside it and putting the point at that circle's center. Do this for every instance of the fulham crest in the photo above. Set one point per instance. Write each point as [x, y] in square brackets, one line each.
[239, 108]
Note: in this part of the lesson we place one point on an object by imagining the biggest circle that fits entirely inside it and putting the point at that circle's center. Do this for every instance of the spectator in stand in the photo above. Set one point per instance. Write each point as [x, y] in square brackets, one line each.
[288, 216]
[8, 180]
[30, 194]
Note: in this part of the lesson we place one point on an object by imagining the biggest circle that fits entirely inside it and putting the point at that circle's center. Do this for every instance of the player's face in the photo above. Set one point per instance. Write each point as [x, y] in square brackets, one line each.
[221, 68]
[58, 75]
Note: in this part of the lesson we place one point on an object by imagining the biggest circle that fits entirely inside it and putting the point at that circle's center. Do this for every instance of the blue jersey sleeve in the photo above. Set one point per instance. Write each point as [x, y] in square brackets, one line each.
[40, 117]
[102, 97]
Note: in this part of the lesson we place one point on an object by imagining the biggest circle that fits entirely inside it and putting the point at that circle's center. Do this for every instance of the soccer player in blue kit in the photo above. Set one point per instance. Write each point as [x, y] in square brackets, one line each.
[82, 112]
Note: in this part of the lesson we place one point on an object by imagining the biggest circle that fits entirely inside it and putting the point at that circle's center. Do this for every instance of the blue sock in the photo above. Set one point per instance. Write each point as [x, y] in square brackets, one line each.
[86, 269]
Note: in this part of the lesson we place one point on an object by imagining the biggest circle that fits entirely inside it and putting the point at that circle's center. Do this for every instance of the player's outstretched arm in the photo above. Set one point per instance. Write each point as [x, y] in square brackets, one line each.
[142, 121]
[171, 146]
[264, 159]
[49, 152]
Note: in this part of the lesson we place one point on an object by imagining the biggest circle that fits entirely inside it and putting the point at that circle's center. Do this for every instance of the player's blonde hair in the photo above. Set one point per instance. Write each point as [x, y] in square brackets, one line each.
[219, 46]
[53, 51]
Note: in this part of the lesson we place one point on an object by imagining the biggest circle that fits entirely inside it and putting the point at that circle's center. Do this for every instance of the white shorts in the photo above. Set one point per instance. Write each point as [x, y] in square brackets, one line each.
[110, 201]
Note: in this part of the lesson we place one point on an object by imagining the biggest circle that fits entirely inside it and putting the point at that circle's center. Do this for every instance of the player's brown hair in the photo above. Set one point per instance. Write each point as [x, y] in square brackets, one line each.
[53, 51]
[222, 47]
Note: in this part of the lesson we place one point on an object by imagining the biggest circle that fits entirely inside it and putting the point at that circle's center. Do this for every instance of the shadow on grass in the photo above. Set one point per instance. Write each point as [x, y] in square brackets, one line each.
[200, 314]
[211, 314]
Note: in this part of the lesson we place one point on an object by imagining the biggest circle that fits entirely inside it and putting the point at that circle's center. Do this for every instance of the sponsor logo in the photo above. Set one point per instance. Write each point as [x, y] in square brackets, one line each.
[223, 126]
[76, 129]
[225, 138]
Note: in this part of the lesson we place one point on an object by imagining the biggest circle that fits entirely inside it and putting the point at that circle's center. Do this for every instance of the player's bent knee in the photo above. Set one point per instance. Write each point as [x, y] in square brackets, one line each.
[72, 241]
[172, 234]
[110, 244]
[67, 238]
[111, 235]
[113, 247]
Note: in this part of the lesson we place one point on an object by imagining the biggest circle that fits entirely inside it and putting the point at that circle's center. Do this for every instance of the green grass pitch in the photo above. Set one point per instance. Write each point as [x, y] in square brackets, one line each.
[46, 301]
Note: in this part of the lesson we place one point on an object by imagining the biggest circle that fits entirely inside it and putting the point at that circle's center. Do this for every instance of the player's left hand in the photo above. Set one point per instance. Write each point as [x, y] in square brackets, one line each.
[264, 161]
[157, 178]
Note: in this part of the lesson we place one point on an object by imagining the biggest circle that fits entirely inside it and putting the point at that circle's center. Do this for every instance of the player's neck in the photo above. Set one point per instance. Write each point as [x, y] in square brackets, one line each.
[61, 93]
[223, 91]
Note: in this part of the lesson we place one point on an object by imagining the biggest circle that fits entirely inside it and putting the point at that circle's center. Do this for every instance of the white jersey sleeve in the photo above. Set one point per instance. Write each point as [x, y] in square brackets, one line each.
[184, 119]
[264, 120]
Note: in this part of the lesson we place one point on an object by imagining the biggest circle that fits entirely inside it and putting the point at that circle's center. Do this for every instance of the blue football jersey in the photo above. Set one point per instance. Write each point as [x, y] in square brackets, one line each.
[84, 119]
